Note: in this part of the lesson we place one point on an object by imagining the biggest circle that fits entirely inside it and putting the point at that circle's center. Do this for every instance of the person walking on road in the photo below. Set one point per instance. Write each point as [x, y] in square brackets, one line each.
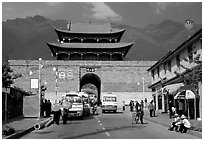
[142, 105]
[145, 102]
[49, 108]
[154, 108]
[131, 105]
[151, 108]
[56, 110]
[123, 105]
[136, 106]
[140, 113]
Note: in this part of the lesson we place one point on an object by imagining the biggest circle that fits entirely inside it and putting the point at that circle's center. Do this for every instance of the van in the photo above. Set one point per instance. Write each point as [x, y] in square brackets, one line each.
[77, 107]
[109, 103]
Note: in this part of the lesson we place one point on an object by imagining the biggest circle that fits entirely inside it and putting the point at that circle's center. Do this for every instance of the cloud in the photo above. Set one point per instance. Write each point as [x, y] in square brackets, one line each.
[101, 11]
[162, 6]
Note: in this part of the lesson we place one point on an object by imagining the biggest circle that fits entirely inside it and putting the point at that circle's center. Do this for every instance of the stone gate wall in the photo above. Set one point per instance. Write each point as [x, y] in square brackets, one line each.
[116, 76]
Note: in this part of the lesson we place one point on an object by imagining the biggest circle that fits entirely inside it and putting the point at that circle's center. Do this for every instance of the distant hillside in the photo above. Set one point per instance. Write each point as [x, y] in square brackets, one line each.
[26, 38]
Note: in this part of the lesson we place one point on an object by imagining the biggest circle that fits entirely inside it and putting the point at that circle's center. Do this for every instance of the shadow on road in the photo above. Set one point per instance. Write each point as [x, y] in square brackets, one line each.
[139, 126]
[112, 113]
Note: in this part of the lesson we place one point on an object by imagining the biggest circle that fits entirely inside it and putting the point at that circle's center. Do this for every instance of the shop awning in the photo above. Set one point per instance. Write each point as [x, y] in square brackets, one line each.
[173, 88]
[185, 94]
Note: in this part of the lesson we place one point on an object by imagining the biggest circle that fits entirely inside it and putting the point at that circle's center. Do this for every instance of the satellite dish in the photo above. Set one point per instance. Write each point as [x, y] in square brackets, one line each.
[189, 24]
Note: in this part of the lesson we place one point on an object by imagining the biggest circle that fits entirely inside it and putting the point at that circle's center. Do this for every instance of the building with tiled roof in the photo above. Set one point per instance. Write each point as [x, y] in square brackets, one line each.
[89, 41]
[170, 78]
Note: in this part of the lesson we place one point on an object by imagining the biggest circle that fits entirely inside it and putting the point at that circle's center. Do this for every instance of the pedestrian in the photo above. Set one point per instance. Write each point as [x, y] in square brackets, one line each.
[140, 113]
[180, 107]
[175, 122]
[136, 106]
[154, 108]
[185, 124]
[170, 109]
[123, 105]
[49, 107]
[142, 105]
[56, 110]
[131, 105]
[145, 102]
[43, 106]
[151, 108]
[46, 108]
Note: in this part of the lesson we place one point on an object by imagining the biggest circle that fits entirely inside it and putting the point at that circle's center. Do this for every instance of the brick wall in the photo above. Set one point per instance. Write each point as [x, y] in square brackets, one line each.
[116, 76]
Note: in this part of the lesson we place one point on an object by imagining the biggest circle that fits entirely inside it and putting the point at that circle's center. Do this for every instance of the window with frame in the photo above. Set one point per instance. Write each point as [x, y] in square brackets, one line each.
[178, 60]
[190, 54]
[152, 74]
[169, 66]
[164, 67]
[158, 72]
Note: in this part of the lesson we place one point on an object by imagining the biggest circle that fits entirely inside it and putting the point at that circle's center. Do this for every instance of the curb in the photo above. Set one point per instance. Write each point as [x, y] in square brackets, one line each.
[24, 132]
[191, 132]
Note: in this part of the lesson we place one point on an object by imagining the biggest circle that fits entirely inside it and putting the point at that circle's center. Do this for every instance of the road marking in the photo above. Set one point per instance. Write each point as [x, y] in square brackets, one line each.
[107, 134]
[103, 127]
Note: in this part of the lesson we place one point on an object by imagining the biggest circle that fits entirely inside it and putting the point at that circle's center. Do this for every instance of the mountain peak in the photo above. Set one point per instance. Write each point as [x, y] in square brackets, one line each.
[36, 18]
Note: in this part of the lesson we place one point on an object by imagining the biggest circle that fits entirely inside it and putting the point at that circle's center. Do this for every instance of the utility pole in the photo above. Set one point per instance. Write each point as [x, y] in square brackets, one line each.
[143, 84]
[39, 87]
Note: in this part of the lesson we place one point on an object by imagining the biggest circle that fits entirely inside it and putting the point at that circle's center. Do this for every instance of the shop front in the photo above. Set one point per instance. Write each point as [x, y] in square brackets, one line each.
[169, 91]
[190, 101]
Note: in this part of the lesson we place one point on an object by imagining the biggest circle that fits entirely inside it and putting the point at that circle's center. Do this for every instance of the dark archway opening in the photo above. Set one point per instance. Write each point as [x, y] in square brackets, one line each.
[91, 78]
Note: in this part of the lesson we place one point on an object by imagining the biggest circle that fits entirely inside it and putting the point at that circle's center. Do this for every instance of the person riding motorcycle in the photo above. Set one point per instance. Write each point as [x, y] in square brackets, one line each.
[94, 106]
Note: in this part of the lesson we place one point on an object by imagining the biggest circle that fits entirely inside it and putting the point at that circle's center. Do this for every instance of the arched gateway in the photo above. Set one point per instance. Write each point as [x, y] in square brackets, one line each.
[92, 83]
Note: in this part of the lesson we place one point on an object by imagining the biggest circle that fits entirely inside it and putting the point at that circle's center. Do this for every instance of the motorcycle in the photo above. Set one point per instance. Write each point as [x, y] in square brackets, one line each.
[94, 108]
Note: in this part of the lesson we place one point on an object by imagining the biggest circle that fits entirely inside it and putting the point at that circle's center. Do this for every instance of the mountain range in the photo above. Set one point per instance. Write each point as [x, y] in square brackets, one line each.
[26, 38]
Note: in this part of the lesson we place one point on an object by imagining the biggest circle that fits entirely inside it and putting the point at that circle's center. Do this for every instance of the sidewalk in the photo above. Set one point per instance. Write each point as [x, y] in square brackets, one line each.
[22, 126]
[163, 119]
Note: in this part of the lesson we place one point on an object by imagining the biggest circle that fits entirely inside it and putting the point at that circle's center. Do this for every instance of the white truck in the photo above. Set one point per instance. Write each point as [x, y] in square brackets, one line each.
[109, 103]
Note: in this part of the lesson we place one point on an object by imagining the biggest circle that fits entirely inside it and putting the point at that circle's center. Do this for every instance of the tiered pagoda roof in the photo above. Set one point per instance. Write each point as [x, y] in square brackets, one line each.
[96, 38]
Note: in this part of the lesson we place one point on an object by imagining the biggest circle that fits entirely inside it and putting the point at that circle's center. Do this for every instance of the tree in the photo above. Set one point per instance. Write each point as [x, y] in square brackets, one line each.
[8, 76]
[193, 75]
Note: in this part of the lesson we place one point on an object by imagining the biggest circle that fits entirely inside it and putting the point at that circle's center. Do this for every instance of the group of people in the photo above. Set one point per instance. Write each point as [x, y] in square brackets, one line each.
[180, 124]
[136, 104]
[139, 109]
[46, 106]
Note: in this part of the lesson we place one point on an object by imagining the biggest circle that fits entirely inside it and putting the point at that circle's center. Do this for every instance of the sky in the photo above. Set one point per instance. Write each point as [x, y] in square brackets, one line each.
[136, 14]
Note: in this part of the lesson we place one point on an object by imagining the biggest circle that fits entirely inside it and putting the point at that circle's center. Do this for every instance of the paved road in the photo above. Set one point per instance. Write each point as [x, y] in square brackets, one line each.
[107, 126]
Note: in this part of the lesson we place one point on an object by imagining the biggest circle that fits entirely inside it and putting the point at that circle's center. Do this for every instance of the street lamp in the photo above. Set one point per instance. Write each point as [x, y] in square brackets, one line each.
[39, 86]
[56, 72]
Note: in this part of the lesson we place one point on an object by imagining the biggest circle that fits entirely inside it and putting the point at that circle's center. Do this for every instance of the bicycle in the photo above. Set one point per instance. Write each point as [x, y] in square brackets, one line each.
[135, 118]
